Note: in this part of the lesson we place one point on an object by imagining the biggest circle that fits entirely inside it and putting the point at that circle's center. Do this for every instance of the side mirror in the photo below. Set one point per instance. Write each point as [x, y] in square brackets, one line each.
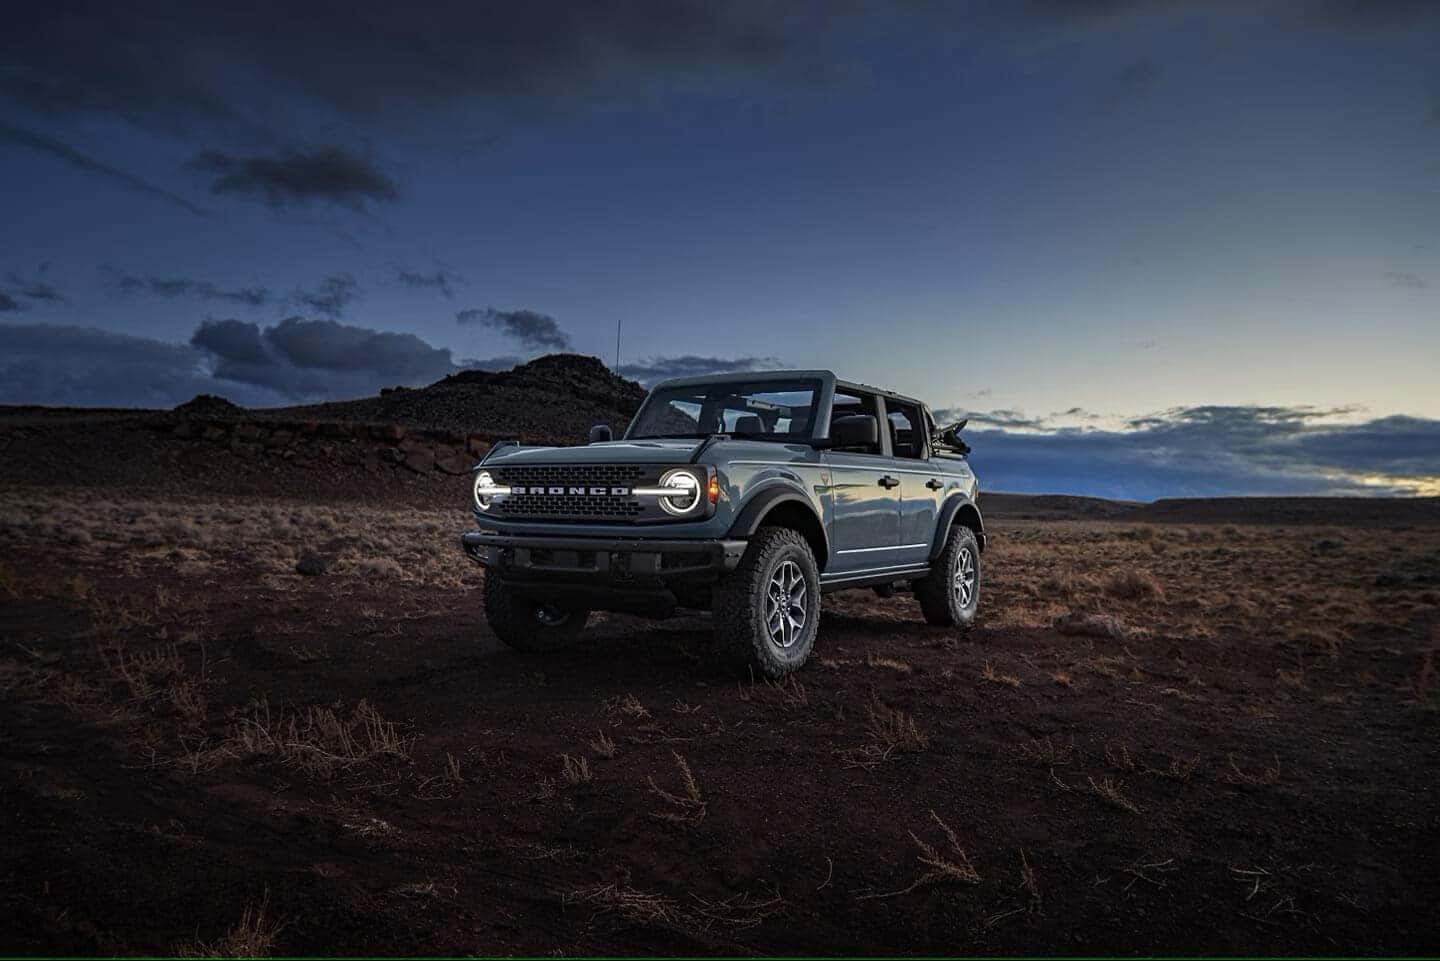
[600, 433]
[855, 430]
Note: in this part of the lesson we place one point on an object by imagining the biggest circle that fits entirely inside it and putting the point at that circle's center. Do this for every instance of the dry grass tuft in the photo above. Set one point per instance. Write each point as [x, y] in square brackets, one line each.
[989, 674]
[318, 740]
[1046, 752]
[253, 937]
[890, 732]
[1112, 792]
[1134, 585]
[602, 745]
[687, 807]
[950, 865]
[889, 663]
[1261, 778]
[575, 769]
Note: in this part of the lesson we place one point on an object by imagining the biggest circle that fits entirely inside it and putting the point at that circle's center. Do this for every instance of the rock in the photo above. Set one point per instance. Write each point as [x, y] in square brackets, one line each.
[421, 460]
[477, 445]
[208, 405]
[279, 438]
[185, 430]
[335, 430]
[457, 464]
[393, 433]
[214, 433]
[249, 432]
[372, 460]
[1090, 625]
[312, 564]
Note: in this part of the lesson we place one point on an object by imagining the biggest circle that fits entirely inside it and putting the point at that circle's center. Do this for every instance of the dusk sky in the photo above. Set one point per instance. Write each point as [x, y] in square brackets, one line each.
[1149, 248]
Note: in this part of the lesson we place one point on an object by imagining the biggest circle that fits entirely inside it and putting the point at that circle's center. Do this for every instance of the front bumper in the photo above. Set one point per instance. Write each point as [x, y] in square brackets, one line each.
[530, 557]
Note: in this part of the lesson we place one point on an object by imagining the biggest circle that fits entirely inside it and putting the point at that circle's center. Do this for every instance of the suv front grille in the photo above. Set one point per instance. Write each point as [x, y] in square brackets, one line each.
[569, 506]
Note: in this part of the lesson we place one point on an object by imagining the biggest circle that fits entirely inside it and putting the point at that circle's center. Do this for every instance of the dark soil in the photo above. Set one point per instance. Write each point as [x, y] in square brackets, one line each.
[1241, 757]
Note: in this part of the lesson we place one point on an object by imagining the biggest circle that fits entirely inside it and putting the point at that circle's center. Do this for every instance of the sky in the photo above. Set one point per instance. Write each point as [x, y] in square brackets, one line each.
[1148, 248]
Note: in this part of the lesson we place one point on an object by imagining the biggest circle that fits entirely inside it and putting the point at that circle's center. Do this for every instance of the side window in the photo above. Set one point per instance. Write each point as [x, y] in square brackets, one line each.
[851, 405]
[907, 430]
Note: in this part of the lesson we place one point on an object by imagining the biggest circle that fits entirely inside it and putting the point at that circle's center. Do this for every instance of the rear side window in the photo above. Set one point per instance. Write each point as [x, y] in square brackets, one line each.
[907, 429]
[850, 404]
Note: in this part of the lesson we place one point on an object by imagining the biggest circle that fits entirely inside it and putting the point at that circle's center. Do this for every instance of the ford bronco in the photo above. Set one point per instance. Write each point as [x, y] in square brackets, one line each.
[746, 494]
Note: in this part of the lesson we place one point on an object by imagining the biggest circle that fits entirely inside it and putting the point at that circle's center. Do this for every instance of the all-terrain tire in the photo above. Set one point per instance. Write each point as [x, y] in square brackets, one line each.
[942, 599]
[527, 625]
[757, 607]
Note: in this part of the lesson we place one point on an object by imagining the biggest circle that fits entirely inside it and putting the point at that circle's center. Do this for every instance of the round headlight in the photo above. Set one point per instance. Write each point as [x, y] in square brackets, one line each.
[484, 483]
[686, 496]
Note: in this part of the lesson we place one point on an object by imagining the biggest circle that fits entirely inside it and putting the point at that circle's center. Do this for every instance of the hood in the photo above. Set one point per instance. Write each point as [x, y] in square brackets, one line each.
[611, 452]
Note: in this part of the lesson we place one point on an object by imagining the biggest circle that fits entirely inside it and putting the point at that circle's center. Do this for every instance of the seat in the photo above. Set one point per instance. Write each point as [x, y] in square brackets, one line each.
[748, 424]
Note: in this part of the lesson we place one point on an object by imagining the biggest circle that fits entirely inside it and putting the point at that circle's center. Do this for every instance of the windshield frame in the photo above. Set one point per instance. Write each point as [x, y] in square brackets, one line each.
[742, 385]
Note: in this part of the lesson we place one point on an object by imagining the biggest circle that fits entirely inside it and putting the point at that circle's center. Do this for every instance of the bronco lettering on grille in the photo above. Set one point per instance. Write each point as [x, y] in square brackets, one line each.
[573, 490]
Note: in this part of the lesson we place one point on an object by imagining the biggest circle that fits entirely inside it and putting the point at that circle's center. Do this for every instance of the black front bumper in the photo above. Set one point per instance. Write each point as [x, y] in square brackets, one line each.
[621, 561]
[633, 575]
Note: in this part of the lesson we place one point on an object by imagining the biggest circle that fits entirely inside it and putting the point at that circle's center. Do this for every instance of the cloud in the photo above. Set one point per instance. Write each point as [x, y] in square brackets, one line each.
[1008, 419]
[8, 304]
[334, 294]
[84, 367]
[1405, 279]
[1216, 451]
[49, 145]
[1138, 77]
[532, 329]
[649, 370]
[318, 359]
[441, 280]
[297, 178]
[36, 290]
[172, 288]
[174, 66]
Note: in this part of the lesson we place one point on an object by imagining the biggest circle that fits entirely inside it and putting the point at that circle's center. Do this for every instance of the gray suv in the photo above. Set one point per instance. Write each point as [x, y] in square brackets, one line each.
[746, 494]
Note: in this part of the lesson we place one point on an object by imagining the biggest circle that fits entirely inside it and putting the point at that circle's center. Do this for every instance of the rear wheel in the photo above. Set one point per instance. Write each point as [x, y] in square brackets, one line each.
[768, 611]
[528, 625]
[950, 594]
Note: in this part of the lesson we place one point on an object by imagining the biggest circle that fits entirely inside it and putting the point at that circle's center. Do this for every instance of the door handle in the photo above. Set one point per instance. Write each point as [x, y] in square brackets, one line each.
[934, 484]
[888, 482]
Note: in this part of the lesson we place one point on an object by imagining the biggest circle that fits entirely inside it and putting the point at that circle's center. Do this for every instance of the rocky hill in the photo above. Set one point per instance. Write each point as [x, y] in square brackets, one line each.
[556, 398]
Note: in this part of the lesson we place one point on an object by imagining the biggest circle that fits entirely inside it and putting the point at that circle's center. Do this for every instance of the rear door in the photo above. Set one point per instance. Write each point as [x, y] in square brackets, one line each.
[865, 525]
[921, 485]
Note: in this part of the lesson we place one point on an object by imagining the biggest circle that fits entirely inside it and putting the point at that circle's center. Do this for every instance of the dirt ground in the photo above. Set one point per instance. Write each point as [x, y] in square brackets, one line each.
[1162, 738]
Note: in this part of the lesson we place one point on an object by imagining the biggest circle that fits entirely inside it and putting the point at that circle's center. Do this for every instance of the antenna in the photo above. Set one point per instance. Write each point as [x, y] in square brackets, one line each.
[618, 324]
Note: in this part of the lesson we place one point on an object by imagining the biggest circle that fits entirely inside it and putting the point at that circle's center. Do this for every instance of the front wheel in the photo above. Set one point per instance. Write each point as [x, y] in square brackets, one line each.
[950, 594]
[527, 625]
[768, 611]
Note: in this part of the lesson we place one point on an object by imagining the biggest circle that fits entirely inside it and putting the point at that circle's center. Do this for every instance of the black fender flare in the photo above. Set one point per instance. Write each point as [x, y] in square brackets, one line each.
[758, 507]
[949, 511]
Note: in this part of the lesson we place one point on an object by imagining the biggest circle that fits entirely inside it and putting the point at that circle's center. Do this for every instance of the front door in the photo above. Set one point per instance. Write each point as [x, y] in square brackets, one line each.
[865, 524]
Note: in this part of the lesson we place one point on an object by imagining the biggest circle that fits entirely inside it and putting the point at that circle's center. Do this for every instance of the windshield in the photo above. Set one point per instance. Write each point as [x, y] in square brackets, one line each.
[765, 410]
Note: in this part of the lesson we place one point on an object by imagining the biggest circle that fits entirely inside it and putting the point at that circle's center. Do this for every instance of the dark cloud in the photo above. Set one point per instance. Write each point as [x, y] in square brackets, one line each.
[297, 178]
[442, 280]
[171, 65]
[84, 367]
[1214, 451]
[1139, 77]
[172, 288]
[318, 359]
[49, 145]
[8, 304]
[652, 369]
[1402, 278]
[530, 328]
[334, 294]
[36, 290]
